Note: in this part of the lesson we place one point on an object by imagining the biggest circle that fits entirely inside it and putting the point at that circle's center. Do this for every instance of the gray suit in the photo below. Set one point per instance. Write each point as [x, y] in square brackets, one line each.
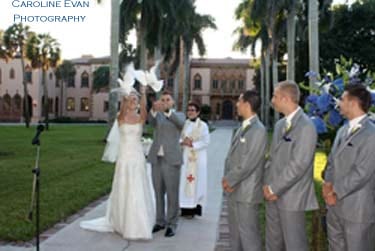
[350, 168]
[289, 173]
[244, 167]
[166, 168]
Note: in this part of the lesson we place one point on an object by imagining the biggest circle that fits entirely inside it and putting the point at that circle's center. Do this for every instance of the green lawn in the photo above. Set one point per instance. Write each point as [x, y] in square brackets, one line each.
[72, 175]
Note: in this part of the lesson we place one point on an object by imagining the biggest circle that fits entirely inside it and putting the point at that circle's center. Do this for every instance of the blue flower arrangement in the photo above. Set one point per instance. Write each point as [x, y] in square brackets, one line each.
[322, 104]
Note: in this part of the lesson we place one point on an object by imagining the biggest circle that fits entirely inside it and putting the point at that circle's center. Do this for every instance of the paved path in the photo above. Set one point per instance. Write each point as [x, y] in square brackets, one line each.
[198, 234]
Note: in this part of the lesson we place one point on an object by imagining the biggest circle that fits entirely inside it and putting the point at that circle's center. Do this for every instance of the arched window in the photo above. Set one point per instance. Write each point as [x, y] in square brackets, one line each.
[12, 73]
[215, 84]
[70, 104]
[84, 104]
[17, 102]
[6, 103]
[29, 74]
[197, 82]
[241, 84]
[71, 81]
[84, 79]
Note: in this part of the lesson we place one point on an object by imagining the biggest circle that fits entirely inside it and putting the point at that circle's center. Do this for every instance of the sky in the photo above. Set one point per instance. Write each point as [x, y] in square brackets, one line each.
[92, 36]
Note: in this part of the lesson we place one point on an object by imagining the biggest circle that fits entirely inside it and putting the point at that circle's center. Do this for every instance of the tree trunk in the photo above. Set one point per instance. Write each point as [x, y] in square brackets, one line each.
[186, 93]
[115, 26]
[176, 85]
[46, 99]
[267, 87]
[291, 37]
[275, 80]
[26, 112]
[313, 38]
[62, 98]
[262, 92]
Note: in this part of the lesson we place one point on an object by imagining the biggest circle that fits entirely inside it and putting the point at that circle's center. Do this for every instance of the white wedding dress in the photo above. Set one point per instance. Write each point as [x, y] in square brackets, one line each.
[130, 207]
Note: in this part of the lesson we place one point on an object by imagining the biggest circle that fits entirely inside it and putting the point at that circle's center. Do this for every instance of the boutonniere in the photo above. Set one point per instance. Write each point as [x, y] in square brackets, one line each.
[242, 139]
[355, 129]
[287, 129]
[286, 138]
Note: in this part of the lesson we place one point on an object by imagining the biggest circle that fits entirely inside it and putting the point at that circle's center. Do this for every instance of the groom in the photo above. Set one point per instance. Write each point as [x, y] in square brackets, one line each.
[165, 157]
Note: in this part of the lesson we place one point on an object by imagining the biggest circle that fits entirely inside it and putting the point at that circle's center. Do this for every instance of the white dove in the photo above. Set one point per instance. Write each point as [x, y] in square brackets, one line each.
[152, 79]
[127, 83]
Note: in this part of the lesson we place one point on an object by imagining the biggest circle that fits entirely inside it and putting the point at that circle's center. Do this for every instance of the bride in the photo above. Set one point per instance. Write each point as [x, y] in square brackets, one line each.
[130, 208]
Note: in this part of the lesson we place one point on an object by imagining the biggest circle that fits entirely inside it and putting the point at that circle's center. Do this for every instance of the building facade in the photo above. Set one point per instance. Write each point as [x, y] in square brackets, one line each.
[213, 82]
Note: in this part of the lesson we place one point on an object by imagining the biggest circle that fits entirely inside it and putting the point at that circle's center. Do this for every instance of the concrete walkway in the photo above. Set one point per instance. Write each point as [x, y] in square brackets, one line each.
[198, 234]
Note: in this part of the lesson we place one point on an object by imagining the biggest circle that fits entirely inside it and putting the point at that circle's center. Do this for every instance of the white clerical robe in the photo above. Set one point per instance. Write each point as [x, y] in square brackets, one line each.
[193, 181]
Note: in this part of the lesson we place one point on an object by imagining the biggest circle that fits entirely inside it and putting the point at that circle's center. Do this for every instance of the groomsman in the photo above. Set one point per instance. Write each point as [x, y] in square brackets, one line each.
[289, 186]
[243, 177]
[349, 188]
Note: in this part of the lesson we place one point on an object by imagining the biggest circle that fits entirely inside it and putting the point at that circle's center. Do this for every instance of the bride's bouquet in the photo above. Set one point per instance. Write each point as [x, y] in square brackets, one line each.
[146, 143]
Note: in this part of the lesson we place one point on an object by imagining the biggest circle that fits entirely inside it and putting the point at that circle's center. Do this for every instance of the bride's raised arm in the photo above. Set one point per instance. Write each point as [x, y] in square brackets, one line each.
[123, 109]
[143, 104]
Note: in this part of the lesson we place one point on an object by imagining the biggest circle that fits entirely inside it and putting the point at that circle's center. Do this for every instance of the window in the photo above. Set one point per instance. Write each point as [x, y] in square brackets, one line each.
[232, 85]
[50, 105]
[71, 82]
[28, 74]
[12, 74]
[215, 84]
[223, 84]
[70, 104]
[17, 102]
[84, 79]
[218, 108]
[197, 82]
[170, 82]
[6, 103]
[240, 84]
[84, 104]
[105, 106]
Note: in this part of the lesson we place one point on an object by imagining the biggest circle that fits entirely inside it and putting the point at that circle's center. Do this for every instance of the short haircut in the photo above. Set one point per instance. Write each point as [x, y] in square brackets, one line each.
[291, 89]
[166, 93]
[195, 105]
[253, 98]
[361, 94]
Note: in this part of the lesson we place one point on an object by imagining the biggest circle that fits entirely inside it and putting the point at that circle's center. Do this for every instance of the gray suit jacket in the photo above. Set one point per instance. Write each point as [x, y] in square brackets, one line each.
[245, 161]
[351, 168]
[167, 134]
[289, 170]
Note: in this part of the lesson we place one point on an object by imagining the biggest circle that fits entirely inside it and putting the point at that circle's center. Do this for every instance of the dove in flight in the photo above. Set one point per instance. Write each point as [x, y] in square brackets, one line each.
[152, 79]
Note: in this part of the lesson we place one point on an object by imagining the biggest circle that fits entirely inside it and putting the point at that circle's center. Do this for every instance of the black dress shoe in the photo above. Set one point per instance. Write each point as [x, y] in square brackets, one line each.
[157, 228]
[169, 232]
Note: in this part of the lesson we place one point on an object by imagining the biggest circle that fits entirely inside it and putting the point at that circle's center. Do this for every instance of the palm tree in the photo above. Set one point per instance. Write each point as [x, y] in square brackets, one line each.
[15, 39]
[313, 17]
[192, 33]
[114, 67]
[65, 73]
[291, 37]
[3, 54]
[43, 51]
[254, 28]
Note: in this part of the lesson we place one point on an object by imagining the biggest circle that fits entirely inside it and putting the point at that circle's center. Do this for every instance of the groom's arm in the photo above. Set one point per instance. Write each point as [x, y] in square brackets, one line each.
[151, 117]
[177, 120]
